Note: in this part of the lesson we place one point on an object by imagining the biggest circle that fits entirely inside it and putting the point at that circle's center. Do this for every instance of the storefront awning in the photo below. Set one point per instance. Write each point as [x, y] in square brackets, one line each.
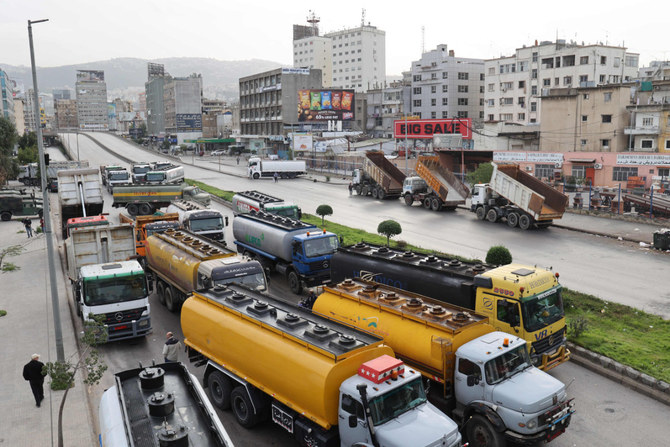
[581, 160]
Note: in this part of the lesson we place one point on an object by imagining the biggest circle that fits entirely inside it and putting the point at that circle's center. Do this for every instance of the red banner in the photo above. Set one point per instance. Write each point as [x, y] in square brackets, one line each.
[427, 128]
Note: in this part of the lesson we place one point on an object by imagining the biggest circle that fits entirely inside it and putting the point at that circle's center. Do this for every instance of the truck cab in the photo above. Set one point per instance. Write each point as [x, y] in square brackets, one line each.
[117, 176]
[311, 257]
[139, 171]
[77, 223]
[530, 406]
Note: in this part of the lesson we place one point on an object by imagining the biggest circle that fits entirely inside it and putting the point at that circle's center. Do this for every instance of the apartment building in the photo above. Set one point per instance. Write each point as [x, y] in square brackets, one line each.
[29, 112]
[6, 97]
[315, 52]
[515, 85]
[91, 91]
[66, 114]
[182, 98]
[446, 86]
[384, 106]
[650, 118]
[155, 107]
[19, 106]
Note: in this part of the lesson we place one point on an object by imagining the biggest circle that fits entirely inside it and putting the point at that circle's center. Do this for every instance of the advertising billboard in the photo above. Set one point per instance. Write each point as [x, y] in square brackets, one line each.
[189, 122]
[325, 105]
[420, 129]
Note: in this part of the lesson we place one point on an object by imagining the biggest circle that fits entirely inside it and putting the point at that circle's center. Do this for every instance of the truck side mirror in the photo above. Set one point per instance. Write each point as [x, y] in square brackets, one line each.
[473, 380]
[353, 421]
[299, 214]
[226, 221]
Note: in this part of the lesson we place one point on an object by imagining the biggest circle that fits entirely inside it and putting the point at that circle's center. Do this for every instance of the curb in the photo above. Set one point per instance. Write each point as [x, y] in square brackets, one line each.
[620, 373]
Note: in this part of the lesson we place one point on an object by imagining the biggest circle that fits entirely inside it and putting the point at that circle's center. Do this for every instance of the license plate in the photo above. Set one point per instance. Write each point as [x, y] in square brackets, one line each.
[282, 418]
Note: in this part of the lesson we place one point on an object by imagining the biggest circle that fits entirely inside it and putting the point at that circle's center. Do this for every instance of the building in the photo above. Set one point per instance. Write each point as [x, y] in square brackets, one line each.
[444, 86]
[142, 102]
[516, 84]
[61, 94]
[29, 112]
[269, 104]
[650, 118]
[91, 91]
[154, 99]
[384, 106]
[66, 114]
[19, 106]
[182, 98]
[7, 97]
[656, 71]
[315, 52]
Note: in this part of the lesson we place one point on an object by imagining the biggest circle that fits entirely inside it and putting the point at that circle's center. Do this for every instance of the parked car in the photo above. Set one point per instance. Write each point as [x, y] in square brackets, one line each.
[219, 152]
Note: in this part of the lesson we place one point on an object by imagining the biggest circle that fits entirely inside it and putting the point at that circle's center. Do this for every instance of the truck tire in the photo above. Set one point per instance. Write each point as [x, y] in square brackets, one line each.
[6, 216]
[365, 190]
[524, 221]
[160, 291]
[359, 190]
[219, 389]
[171, 299]
[145, 209]
[512, 219]
[256, 175]
[242, 408]
[132, 209]
[435, 204]
[381, 194]
[481, 213]
[491, 215]
[294, 282]
[409, 199]
[375, 193]
[482, 434]
[426, 203]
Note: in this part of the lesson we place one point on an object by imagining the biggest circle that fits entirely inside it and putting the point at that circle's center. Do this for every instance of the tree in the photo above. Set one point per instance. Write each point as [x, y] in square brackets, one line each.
[498, 255]
[324, 210]
[28, 139]
[89, 360]
[480, 175]
[8, 138]
[389, 228]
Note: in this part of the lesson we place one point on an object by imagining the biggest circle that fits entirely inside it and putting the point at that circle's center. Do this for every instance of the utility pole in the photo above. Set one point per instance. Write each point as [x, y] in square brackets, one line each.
[60, 353]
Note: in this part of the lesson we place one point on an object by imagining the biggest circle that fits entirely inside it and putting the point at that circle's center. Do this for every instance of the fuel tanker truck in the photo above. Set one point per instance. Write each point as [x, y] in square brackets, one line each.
[181, 261]
[293, 248]
[521, 300]
[326, 383]
[481, 377]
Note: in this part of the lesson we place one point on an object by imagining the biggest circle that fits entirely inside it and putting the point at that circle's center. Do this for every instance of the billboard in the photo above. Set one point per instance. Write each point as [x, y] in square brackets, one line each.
[420, 129]
[302, 142]
[90, 75]
[325, 105]
[189, 122]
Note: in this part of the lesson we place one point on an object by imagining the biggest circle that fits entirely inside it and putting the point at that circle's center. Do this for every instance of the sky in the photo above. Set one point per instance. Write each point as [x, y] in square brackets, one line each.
[81, 31]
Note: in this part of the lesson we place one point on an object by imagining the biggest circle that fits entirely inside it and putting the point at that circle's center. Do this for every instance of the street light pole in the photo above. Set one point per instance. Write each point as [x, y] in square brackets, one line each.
[60, 353]
[78, 148]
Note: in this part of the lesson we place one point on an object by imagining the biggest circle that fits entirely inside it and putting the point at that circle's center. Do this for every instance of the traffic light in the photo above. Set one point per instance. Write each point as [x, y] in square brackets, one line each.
[46, 159]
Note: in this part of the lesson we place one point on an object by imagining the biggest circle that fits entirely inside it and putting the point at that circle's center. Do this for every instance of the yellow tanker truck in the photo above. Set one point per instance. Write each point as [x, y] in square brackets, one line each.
[483, 378]
[181, 261]
[324, 382]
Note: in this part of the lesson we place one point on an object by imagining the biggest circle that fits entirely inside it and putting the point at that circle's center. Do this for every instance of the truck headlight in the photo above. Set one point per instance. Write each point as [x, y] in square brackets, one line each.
[531, 424]
[143, 323]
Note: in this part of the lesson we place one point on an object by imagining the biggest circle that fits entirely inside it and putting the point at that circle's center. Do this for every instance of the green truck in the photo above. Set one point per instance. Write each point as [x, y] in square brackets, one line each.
[16, 203]
[142, 200]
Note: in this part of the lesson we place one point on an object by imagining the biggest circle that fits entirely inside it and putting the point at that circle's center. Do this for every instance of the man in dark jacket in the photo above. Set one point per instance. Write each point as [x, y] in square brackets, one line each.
[32, 372]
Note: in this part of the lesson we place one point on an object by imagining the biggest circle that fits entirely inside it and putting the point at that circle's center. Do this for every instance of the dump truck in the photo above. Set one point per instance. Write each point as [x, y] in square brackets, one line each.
[325, 383]
[436, 187]
[77, 223]
[106, 283]
[145, 226]
[482, 378]
[293, 248]
[378, 177]
[29, 174]
[258, 168]
[518, 198]
[200, 219]
[247, 201]
[518, 299]
[14, 203]
[146, 199]
[162, 403]
[181, 261]
[79, 195]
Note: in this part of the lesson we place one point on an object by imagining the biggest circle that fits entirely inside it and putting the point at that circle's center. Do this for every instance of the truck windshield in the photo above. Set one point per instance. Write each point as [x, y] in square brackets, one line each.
[397, 401]
[141, 169]
[285, 212]
[254, 281]
[206, 224]
[321, 246]
[506, 365]
[118, 175]
[109, 290]
[542, 310]
[155, 176]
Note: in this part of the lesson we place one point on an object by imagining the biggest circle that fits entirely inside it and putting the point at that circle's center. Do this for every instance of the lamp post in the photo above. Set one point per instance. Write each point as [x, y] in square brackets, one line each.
[60, 353]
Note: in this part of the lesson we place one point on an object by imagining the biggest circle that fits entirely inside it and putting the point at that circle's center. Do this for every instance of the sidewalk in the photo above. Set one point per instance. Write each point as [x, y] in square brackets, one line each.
[26, 329]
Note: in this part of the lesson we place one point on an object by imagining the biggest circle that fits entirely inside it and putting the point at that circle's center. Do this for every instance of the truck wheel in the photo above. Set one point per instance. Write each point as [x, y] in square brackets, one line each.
[170, 301]
[242, 407]
[365, 190]
[219, 389]
[381, 195]
[160, 291]
[426, 203]
[524, 222]
[492, 215]
[481, 433]
[512, 219]
[435, 204]
[409, 200]
[359, 190]
[294, 282]
[145, 209]
[6, 216]
[375, 193]
[256, 175]
[132, 209]
[481, 213]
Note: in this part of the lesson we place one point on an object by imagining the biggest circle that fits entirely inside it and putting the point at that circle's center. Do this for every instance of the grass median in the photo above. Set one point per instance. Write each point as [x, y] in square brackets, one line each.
[622, 333]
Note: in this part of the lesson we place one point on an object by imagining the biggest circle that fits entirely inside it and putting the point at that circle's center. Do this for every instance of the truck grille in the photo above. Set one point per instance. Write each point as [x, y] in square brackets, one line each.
[319, 265]
[123, 316]
[550, 342]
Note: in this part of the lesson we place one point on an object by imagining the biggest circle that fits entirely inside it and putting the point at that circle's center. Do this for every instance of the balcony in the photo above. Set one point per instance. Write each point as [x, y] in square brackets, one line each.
[641, 130]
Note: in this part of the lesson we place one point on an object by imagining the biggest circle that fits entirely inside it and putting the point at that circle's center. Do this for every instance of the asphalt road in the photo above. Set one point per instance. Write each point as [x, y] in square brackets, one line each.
[607, 412]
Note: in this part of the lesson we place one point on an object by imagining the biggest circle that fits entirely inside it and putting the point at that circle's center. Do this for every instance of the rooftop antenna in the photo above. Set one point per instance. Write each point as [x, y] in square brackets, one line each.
[363, 17]
[313, 20]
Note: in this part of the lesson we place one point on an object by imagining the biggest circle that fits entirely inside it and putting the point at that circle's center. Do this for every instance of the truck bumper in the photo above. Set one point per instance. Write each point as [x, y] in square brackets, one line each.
[548, 360]
[317, 280]
[556, 428]
[130, 329]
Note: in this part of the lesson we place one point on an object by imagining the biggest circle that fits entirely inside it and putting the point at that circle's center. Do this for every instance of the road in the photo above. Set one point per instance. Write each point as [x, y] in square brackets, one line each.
[606, 410]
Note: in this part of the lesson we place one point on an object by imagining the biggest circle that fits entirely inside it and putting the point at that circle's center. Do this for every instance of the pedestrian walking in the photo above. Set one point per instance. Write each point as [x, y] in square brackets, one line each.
[171, 348]
[351, 188]
[276, 177]
[28, 224]
[238, 159]
[32, 372]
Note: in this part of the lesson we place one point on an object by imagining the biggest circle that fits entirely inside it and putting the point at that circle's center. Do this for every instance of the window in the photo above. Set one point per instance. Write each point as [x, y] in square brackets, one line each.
[481, 89]
[417, 90]
[603, 60]
[352, 406]
[522, 84]
[506, 85]
[533, 107]
[601, 79]
[585, 96]
[546, 82]
[605, 144]
[533, 89]
[621, 173]
[585, 118]
[578, 171]
[506, 117]
[445, 101]
[606, 118]
[462, 101]
[445, 114]
[481, 101]
[433, 88]
[481, 76]
[664, 172]
[491, 117]
[583, 78]
[631, 61]
[647, 122]
[462, 114]
[646, 144]
[433, 102]
[617, 61]
[433, 76]
[583, 142]
[543, 171]
[533, 73]
[583, 60]
[567, 80]
[417, 77]
[557, 81]
[521, 100]
[506, 101]
[491, 87]
[462, 89]
[445, 75]
[445, 88]
[417, 103]
[535, 56]
[521, 117]
[468, 368]
[433, 115]
[492, 70]
[463, 76]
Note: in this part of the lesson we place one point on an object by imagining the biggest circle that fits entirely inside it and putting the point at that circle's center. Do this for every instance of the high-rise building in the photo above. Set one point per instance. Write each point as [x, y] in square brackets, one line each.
[29, 112]
[19, 105]
[6, 97]
[446, 86]
[154, 99]
[516, 84]
[91, 90]
[182, 98]
[61, 94]
[66, 114]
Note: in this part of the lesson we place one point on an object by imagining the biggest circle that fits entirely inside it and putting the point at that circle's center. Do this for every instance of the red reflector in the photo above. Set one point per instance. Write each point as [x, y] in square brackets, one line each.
[118, 328]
